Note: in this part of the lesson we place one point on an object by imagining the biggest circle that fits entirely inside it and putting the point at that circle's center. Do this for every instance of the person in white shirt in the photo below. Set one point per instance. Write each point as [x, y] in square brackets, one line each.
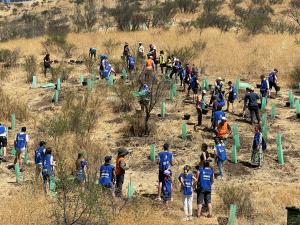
[21, 143]
[140, 53]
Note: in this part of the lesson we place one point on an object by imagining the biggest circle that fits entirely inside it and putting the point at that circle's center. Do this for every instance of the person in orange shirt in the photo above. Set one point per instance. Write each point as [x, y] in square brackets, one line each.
[223, 129]
[149, 66]
[121, 167]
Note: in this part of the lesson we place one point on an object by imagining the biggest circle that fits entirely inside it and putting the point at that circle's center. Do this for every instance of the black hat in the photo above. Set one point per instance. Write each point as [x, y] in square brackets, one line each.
[166, 146]
[42, 143]
[122, 152]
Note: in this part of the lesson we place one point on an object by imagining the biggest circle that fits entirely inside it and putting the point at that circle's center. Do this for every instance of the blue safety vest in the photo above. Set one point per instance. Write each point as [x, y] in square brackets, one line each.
[218, 116]
[187, 184]
[206, 176]
[106, 172]
[47, 167]
[221, 151]
[21, 140]
[233, 93]
[39, 154]
[271, 77]
[194, 82]
[107, 70]
[2, 129]
[264, 85]
[164, 160]
[131, 61]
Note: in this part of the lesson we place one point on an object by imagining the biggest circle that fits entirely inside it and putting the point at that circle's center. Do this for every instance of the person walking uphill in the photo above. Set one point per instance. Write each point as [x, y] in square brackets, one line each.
[205, 179]
[81, 168]
[165, 161]
[273, 82]
[258, 147]
[3, 140]
[264, 86]
[21, 143]
[38, 159]
[121, 167]
[47, 63]
[47, 168]
[251, 100]
[187, 180]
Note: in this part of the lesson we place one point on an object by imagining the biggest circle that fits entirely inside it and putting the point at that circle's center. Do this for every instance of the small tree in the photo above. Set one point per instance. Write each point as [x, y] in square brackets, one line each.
[158, 90]
[90, 14]
[30, 66]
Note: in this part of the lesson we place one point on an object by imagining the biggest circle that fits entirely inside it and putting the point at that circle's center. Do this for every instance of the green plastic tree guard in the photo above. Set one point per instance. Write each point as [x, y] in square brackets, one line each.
[174, 89]
[1, 152]
[292, 101]
[52, 185]
[81, 78]
[56, 96]
[297, 106]
[13, 151]
[171, 96]
[290, 93]
[124, 74]
[278, 139]
[280, 155]
[273, 111]
[94, 76]
[206, 83]
[163, 110]
[130, 190]
[152, 152]
[265, 133]
[263, 103]
[13, 121]
[234, 154]
[18, 173]
[264, 119]
[232, 214]
[235, 129]
[237, 84]
[244, 85]
[90, 84]
[110, 81]
[58, 83]
[237, 141]
[34, 81]
[299, 85]
[183, 131]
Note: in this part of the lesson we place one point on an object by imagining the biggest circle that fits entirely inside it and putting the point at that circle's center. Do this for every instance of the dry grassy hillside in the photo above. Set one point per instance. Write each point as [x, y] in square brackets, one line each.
[265, 192]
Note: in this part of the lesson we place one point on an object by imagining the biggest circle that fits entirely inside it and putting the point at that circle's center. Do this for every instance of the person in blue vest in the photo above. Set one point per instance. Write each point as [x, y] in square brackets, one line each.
[38, 159]
[273, 82]
[220, 153]
[187, 180]
[107, 176]
[264, 86]
[175, 69]
[259, 146]
[165, 161]
[3, 140]
[47, 168]
[205, 179]
[92, 53]
[131, 63]
[221, 99]
[81, 165]
[103, 62]
[107, 71]
[217, 117]
[21, 143]
[194, 85]
[218, 89]
[232, 96]
[167, 187]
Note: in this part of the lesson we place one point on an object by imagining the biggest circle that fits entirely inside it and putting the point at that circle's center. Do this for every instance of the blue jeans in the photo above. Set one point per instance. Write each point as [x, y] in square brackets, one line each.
[220, 166]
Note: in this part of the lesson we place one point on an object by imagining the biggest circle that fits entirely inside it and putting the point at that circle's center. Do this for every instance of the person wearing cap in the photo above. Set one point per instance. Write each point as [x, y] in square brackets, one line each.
[220, 153]
[169, 64]
[126, 52]
[223, 129]
[273, 82]
[232, 96]
[81, 168]
[21, 143]
[187, 77]
[205, 179]
[107, 174]
[187, 180]
[140, 52]
[38, 159]
[121, 167]
[165, 161]
[251, 99]
[149, 65]
[167, 187]
[3, 140]
[200, 106]
[152, 52]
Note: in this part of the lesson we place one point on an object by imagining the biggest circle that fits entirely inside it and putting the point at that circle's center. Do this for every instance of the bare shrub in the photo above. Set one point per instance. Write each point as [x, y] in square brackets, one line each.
[295, 76]
[61, 71]
[30, 66]
[4, 74]
[90, 63]
[9, 57]
[110, 45]
[239, 195]
[124, 92]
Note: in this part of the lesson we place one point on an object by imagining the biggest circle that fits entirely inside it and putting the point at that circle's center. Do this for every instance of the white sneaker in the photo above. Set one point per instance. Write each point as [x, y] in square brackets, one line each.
[185, 219]
[158, 199]
[190, 218]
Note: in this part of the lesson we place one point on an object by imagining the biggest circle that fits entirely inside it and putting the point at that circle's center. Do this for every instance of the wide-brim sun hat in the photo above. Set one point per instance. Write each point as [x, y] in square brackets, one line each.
[122, 152]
